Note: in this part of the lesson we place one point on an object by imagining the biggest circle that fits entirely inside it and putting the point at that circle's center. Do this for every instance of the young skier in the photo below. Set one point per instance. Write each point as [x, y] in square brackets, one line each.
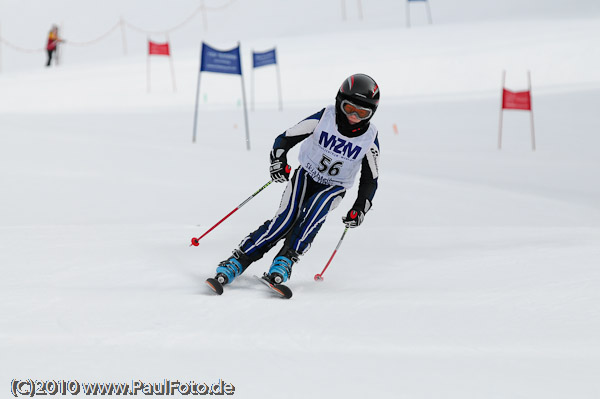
[338, 141]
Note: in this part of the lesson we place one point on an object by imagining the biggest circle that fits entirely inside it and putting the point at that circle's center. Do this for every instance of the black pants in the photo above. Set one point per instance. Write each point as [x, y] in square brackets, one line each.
[50, 53]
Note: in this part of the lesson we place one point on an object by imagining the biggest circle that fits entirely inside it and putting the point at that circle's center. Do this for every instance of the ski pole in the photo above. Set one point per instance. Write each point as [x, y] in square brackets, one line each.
[195, 240]
[319, 276]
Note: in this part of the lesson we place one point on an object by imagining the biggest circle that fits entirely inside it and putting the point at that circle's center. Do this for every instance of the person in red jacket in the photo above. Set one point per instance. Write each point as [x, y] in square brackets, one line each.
[52, 45]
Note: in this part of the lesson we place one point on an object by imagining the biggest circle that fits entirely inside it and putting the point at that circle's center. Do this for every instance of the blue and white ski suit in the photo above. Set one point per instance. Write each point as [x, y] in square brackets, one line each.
[329, 163]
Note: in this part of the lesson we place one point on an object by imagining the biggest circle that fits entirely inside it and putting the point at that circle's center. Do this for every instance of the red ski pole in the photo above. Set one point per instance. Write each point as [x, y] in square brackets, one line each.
[195, 240]
[319, 276]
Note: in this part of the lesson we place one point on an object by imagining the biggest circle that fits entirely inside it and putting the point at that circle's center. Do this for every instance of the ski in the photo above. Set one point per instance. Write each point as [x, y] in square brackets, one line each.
[282, 290]
[215, 285]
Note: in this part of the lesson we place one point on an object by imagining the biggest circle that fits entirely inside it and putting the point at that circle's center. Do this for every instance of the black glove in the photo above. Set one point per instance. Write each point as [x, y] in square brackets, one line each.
[279, 169]
[353, 218]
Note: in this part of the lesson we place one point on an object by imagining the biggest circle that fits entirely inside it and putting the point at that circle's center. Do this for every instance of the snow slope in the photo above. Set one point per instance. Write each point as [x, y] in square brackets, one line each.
[474, 276]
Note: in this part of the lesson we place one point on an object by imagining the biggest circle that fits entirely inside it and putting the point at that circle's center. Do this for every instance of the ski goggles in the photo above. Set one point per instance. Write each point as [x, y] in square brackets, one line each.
[362, 113]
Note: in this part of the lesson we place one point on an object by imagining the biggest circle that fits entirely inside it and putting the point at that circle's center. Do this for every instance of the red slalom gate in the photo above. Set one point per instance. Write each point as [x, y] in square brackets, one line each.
[516, 100]
[159, 49]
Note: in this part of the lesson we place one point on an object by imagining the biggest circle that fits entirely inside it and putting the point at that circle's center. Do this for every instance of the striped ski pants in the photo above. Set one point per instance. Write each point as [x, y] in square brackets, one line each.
[303, 210]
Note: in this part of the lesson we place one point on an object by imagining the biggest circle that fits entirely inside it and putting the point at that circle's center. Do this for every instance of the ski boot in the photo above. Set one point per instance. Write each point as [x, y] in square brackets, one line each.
[281, 269]
[228, 270]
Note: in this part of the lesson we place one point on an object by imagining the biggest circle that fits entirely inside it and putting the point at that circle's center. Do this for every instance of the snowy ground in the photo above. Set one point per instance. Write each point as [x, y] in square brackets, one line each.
[474, 276]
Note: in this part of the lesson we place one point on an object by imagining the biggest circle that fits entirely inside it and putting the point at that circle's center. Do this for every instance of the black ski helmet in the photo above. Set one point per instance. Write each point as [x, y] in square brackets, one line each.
[359, 89]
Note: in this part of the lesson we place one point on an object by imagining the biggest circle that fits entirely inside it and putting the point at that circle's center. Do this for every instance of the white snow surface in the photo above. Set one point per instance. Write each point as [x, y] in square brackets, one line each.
[475, 275]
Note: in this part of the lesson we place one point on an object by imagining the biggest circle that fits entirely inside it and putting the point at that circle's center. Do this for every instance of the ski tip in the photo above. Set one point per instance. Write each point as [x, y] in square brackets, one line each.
[283, 290]
[214, 285]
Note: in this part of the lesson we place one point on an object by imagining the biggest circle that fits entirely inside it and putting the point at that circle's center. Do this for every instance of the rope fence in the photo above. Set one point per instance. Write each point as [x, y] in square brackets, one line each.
[121, 24]
[96, 40]
[20, 49]
[174, 28]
